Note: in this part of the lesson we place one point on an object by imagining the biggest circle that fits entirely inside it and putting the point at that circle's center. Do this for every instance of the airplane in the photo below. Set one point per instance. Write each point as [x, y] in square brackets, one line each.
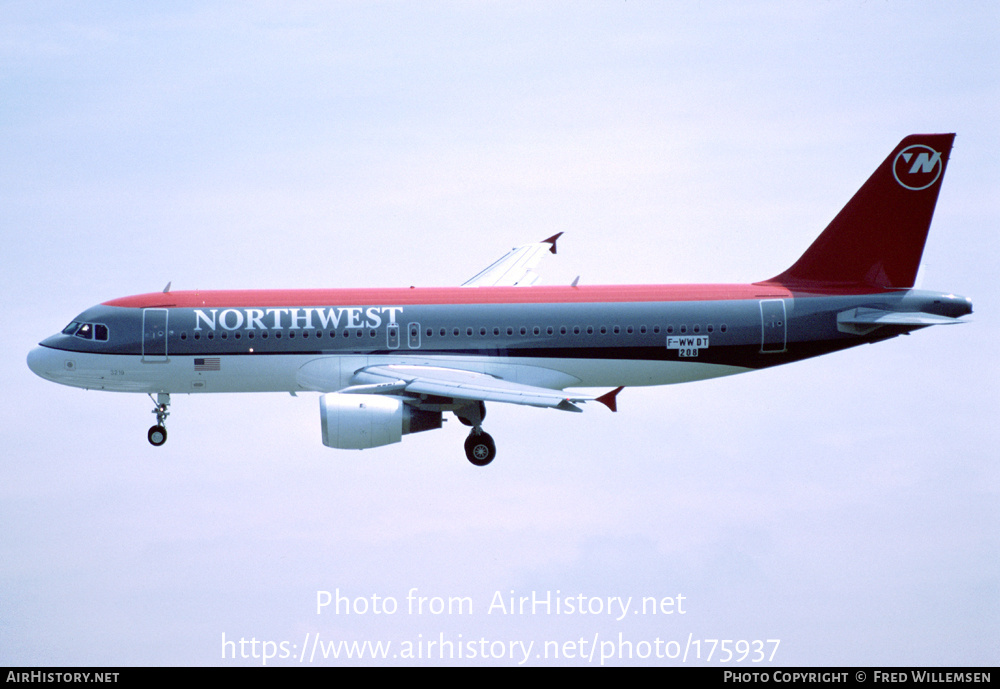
[391, 362]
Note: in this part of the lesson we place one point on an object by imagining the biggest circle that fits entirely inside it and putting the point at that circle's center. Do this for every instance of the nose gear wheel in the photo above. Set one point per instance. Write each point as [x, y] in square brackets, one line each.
[157, 435]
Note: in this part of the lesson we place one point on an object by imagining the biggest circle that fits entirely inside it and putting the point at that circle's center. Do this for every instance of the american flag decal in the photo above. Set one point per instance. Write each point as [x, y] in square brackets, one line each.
[209, 364]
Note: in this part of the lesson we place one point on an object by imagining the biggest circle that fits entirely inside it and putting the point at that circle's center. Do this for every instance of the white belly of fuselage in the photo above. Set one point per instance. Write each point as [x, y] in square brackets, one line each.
[282, 372]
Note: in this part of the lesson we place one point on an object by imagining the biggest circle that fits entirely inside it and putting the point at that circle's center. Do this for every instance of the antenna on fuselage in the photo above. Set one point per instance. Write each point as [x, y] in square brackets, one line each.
[167, 288]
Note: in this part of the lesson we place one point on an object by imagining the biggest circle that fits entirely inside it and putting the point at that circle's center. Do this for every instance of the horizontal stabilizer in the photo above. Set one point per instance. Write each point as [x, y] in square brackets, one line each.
[863, 320]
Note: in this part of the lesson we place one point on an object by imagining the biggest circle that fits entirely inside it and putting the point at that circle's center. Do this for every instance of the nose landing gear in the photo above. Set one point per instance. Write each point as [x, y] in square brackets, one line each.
[157, 435]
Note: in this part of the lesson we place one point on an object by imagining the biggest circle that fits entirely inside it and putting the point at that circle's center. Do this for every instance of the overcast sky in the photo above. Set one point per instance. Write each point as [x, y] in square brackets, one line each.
[846, 506]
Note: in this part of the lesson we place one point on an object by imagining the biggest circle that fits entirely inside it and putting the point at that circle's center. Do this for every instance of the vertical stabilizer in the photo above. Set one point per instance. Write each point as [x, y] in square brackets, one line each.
[878, 238]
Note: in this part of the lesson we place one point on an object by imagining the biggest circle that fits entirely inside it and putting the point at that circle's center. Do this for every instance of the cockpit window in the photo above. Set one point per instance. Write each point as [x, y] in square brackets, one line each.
[87, 331]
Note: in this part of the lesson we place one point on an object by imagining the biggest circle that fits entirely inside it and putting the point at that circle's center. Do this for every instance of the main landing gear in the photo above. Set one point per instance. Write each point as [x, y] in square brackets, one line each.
[479, 446]
[157, 434]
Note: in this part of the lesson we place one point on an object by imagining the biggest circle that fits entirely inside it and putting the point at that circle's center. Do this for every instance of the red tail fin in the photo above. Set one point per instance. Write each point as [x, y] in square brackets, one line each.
[878, 238]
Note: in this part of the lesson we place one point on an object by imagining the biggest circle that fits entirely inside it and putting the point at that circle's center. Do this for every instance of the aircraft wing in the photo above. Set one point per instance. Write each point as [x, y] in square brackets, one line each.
[452, 383]
[516, 268]
[458, 384]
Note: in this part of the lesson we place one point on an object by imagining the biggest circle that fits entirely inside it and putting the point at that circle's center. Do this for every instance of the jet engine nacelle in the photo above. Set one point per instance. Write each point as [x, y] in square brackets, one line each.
[357, 422]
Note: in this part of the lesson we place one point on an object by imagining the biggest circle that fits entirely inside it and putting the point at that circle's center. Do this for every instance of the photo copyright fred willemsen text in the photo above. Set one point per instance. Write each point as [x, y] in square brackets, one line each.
[448, 647]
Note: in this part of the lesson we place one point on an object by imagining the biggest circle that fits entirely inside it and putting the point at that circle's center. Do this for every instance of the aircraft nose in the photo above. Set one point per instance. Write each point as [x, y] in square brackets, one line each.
[40, 361]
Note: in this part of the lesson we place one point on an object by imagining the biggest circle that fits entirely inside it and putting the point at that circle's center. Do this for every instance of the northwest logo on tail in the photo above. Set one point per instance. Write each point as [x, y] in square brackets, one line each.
[917, 167]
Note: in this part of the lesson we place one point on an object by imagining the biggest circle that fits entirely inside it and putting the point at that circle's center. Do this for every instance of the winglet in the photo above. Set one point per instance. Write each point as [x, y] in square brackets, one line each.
[552, 240]
[608, 398]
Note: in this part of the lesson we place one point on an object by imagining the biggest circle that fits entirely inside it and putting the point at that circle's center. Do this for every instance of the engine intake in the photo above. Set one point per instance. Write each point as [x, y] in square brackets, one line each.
[357, 422]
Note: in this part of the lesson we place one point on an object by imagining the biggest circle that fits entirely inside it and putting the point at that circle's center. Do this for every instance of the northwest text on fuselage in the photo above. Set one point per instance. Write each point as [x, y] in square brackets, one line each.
[296, 318]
